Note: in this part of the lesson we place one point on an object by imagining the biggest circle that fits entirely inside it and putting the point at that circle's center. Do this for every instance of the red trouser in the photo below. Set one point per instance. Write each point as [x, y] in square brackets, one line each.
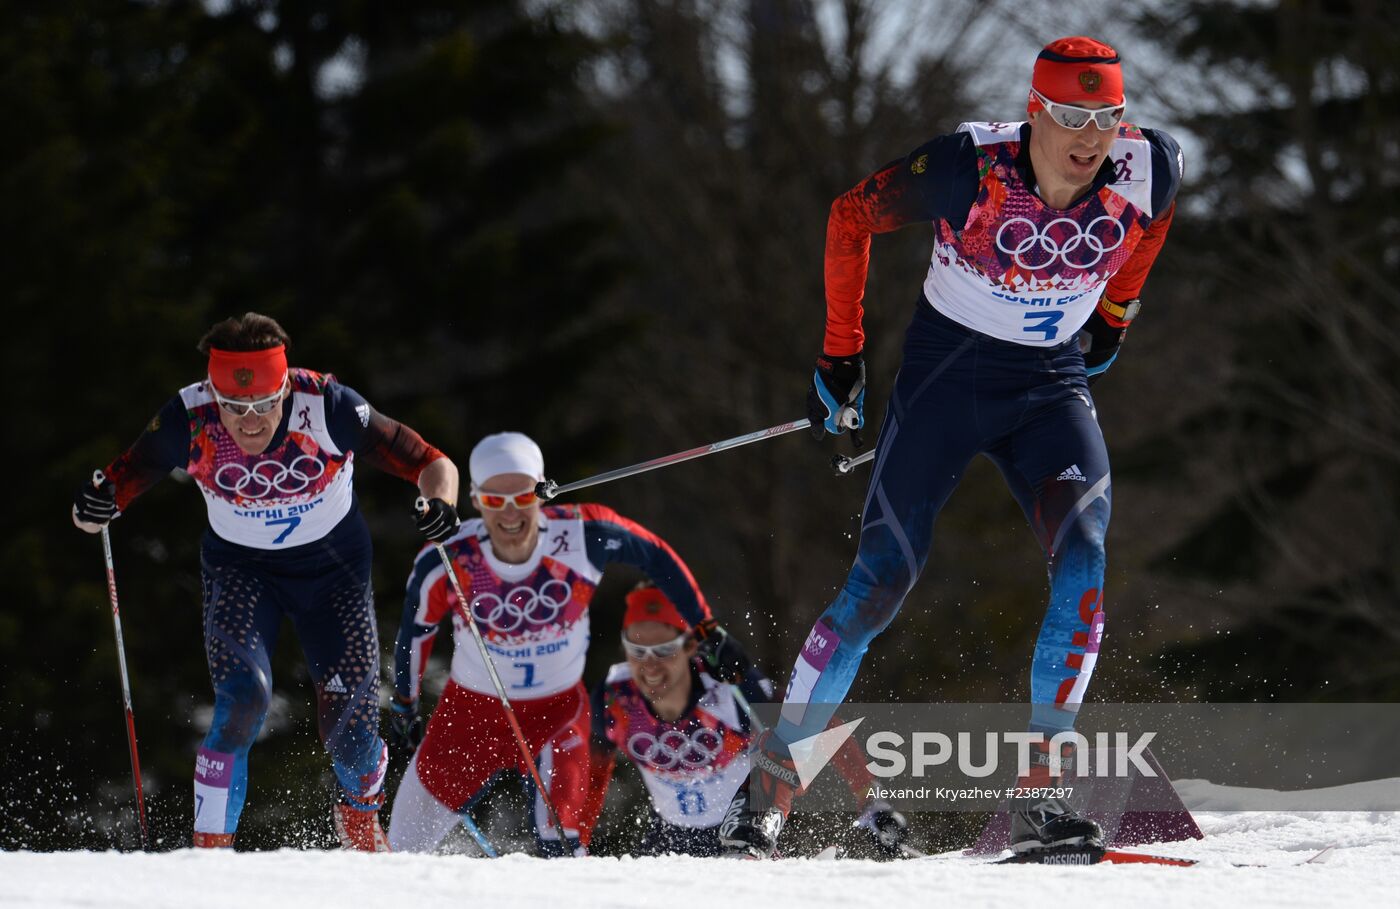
[469, 741]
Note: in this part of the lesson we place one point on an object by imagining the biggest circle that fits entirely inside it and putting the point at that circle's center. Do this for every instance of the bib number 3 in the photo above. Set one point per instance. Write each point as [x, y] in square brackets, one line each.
[1044, 322]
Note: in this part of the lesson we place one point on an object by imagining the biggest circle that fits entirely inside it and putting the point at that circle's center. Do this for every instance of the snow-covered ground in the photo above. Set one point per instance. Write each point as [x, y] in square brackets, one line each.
[1363, 871]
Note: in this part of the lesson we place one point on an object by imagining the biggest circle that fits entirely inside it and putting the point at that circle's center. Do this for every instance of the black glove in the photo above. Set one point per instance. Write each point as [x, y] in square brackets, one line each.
[96, 502]
[722, 654]
[887, 827]
[405, 726]
[437, 521]
[836, 399]
[1100, 339]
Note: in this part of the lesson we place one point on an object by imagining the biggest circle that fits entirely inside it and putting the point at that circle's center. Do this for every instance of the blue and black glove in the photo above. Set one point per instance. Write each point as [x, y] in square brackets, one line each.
[836, 400]
[405, 726]
[1103, 334]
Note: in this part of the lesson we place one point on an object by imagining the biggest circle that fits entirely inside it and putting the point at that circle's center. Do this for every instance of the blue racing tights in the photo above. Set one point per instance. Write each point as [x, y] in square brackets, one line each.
[324, 587]
[958, 394]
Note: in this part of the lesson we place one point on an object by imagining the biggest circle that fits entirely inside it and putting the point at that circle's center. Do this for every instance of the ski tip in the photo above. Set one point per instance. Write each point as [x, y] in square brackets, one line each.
[1321, 858]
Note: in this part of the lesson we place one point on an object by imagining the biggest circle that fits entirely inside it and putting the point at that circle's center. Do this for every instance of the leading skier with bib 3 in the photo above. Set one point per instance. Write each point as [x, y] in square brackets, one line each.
[1044, 232]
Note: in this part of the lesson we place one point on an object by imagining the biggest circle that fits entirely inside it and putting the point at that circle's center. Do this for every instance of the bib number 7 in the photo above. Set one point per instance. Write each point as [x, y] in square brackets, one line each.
[291, 523]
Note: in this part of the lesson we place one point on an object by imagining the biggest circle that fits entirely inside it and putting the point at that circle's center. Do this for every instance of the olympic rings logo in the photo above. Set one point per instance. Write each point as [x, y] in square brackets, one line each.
[522, 606]
[267, 477]
[674, 748]
[1103, 235]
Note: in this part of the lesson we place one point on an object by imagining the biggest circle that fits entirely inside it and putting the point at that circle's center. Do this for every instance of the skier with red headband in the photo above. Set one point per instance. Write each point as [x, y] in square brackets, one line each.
[273, 449]
[1044, 232]
[679, 707]
[529, 573]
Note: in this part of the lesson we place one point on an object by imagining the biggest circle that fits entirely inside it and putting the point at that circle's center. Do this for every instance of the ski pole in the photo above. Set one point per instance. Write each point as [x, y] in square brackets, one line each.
[748, 708]
[482, 842]
[548, 489]
[97, 479]
[844, 464]
[422, 505]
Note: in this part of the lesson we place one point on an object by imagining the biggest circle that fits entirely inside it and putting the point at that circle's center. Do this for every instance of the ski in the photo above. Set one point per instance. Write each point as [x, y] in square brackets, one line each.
[830, 853]
[1076, 855]
[1091, 855]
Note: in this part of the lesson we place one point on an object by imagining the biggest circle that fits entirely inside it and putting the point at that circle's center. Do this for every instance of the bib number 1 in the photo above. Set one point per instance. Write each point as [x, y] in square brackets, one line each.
[529, 670]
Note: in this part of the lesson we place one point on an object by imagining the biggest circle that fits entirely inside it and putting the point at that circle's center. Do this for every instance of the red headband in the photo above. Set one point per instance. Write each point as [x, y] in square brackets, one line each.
[248, 372]
[649, 604]
[1078, 69]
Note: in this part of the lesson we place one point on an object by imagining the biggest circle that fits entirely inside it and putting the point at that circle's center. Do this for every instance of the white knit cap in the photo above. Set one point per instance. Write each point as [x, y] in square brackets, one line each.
[506, 452]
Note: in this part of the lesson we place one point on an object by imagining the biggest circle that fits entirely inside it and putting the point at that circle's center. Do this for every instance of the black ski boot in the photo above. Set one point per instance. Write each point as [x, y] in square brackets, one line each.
[1050, 823]
[751, 825]
[748, 831]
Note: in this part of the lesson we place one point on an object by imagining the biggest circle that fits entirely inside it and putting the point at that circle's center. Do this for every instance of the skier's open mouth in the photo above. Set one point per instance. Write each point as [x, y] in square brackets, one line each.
[512, 529]
[1084, 160]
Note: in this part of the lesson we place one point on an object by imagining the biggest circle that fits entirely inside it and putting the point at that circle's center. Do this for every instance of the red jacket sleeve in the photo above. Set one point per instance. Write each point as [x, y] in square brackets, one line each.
[1127, 283]
[162, 447]
[937, 180]
[396, 449]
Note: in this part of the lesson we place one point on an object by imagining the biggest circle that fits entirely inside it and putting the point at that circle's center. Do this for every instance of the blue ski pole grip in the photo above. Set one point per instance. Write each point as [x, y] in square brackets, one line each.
[834, 422]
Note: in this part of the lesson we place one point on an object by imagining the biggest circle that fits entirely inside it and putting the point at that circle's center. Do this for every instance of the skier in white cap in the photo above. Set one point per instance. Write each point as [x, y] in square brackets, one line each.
[528, 572]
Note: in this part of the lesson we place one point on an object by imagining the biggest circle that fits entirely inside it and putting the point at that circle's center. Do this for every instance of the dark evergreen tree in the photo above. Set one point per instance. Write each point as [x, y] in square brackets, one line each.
[391, 182]
[1292, 261]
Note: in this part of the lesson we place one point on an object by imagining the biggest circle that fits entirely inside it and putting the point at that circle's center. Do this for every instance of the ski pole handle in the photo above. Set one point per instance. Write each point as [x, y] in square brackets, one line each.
[844, 464]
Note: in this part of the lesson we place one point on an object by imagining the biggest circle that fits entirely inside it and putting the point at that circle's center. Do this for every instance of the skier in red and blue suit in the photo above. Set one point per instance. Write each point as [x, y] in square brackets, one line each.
[1044, 232]
[273, 449]
[529, 573]
[680, 708]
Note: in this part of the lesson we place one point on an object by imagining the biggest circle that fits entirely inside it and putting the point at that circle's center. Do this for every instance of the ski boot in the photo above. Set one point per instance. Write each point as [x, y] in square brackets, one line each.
[759, 809]
[1050, 823]
[1041, 821]
[357, 825]
[213, 840]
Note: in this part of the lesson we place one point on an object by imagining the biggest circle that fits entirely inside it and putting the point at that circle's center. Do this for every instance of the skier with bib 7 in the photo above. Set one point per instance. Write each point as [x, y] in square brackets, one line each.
[273, 449]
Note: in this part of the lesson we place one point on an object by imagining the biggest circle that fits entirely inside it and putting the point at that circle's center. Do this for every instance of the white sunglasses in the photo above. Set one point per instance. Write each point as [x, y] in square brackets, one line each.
[663, 651]
[1071, 117]
[259, 406]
